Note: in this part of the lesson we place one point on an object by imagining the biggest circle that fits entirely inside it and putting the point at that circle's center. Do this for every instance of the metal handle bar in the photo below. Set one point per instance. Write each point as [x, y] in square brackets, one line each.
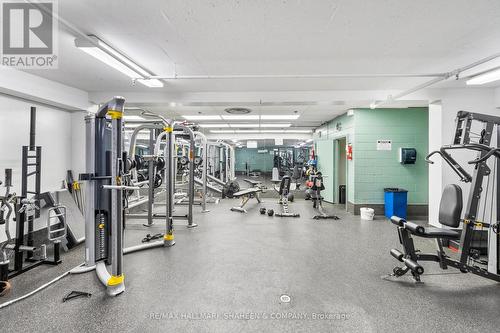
[464, 175]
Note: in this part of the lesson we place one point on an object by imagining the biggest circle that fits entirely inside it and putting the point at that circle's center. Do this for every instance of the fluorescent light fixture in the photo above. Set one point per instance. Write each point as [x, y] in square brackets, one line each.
[280, 117]
[240, 117]
[243, 125]
[309, 140]
[132, 117]
[277, 125]
[483, 78]
[151, 83]
[298, 131]
[105, 53]
[201, 117]
[213, 125]
[272, 131]
[246, 131]
[222, 131]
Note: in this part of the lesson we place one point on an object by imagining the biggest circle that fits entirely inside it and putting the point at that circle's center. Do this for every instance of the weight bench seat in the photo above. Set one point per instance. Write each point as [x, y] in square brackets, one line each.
[425, 232]
[245, 196]
[253, 182]
[246, 192]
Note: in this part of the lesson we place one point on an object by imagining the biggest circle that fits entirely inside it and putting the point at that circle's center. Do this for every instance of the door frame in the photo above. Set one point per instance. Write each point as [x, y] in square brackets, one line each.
[337, 163]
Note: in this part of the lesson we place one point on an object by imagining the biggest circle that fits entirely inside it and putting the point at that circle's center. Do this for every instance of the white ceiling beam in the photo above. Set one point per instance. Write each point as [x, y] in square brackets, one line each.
[36, 89]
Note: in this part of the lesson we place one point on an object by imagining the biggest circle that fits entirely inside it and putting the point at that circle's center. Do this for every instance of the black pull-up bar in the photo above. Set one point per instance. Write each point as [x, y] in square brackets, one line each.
[32, 128]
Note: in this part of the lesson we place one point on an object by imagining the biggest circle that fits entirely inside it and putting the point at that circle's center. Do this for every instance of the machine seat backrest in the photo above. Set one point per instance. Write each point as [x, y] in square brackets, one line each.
[285, 185]
[450, 208]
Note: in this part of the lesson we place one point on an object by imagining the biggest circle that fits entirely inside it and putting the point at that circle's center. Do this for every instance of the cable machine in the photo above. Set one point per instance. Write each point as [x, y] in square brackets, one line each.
[477, 216]
[104, 213]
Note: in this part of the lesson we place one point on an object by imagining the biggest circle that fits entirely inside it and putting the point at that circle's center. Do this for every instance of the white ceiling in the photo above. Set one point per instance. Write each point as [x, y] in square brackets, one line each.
[221, 37]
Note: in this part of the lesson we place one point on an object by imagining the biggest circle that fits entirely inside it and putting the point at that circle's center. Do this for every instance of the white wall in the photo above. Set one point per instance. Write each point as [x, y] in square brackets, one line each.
[435, 170]
[53, 133]
[78, 143]
[479, 100]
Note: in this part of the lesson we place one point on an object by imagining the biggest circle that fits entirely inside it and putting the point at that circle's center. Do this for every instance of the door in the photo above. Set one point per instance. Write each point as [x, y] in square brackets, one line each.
[341, 172]
[325, 152]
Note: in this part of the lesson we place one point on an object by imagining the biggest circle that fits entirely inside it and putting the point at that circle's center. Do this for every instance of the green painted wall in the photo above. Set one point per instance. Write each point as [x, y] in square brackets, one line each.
[372, 170]
[376, 169]
[261, 161]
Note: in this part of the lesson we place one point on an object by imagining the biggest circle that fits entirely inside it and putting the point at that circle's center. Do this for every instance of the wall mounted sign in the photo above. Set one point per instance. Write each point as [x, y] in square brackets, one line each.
[384, 144]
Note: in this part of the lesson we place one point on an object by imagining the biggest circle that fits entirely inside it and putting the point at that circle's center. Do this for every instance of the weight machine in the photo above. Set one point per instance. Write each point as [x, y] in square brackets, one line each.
[104, 214]
[221, 158]
[475, 217]
[154, 168]
[157, 163]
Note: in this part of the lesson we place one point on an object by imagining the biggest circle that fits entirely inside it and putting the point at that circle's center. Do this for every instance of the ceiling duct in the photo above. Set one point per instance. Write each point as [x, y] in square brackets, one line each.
[237, 110]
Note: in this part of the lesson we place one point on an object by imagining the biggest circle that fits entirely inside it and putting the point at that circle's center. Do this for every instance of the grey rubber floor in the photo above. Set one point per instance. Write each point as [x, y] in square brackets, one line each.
[228, 274]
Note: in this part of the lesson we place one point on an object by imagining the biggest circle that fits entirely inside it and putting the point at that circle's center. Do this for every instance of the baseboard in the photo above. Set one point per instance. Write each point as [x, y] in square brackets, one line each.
[412, 210]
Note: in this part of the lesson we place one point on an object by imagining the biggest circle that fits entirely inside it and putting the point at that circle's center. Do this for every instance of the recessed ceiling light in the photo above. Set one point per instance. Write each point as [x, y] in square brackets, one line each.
[132, 117]
[142, 137]
[201, 117]
[243, 125]
[280, 117]
[298, 131]
[213, 125]
[134, 125]
[246, 131]
[238, 110]
[222, 131]
[241, 117]
[277, 125]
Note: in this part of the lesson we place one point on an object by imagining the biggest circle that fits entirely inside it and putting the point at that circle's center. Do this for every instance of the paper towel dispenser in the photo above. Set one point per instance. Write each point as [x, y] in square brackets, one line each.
[407, 155]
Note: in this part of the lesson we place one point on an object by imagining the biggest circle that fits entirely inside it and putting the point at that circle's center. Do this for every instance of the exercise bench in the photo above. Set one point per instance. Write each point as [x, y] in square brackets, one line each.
[247, 194]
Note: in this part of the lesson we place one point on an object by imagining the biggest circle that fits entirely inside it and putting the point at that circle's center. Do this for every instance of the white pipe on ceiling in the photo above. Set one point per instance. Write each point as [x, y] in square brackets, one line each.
[455, 73]
[293, 76]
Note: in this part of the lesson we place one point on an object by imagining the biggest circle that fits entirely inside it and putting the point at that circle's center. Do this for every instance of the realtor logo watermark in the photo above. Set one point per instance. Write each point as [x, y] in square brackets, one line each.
[29, 34]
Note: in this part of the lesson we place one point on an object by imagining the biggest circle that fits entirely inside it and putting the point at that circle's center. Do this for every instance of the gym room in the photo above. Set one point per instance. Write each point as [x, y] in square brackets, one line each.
[249, 166]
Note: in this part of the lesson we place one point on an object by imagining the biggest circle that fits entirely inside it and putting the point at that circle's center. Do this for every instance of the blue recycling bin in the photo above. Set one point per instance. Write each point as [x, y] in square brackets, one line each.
[396, 201]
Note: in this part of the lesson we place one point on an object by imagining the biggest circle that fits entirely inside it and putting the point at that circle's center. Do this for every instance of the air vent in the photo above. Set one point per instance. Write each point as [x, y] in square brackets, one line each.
[238, 110]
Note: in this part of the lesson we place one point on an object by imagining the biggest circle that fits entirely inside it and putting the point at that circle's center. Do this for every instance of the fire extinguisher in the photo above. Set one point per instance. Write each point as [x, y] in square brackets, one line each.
[348, 150]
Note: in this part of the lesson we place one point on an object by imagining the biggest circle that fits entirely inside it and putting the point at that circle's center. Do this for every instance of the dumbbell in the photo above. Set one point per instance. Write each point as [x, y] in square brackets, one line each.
[262, 210]
[270, 212]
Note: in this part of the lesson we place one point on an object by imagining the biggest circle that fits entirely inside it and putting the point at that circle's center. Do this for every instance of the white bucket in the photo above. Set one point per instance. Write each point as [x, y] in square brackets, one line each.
[367, 213]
